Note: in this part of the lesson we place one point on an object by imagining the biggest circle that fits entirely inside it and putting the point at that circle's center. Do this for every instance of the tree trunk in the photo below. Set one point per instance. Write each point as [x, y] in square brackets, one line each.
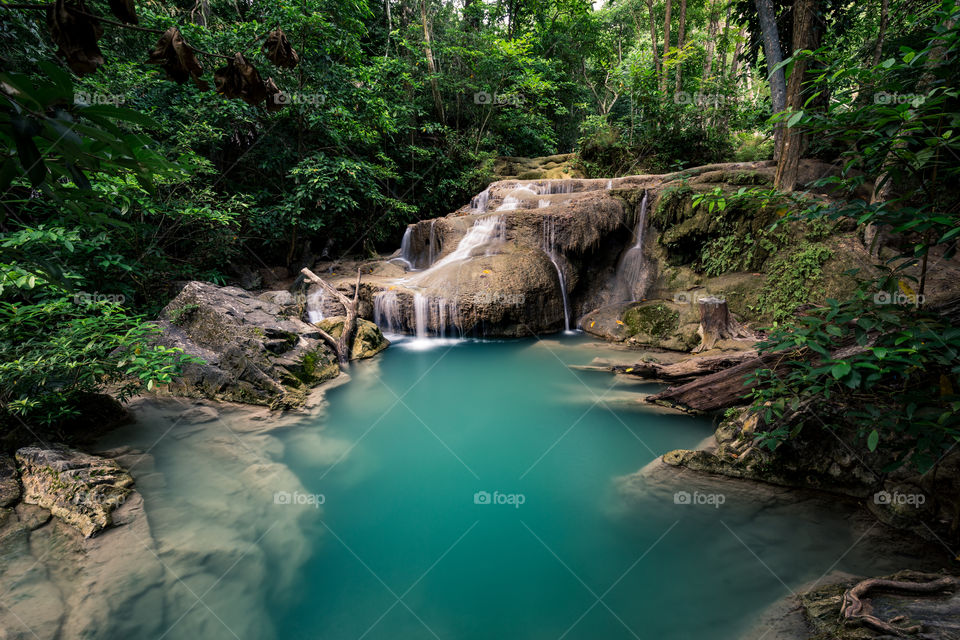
[794, 141]
[342, 346]
[386, 3]
[666, 47]
[711, 42]
[773, 55]
[725, 43]
[737, 53]
[884, 19]
[726, 388]
[716, 323]
[653, 38]
[431, 66]
[680, 35]
[855, 612]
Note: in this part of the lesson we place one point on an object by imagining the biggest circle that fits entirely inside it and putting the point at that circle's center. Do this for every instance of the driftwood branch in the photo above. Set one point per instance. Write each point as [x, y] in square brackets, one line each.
[685, 370]
[342, 346]
[856, 609]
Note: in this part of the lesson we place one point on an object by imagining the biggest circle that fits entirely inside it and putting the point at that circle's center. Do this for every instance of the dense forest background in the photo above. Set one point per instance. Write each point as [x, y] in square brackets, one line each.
[129, 166]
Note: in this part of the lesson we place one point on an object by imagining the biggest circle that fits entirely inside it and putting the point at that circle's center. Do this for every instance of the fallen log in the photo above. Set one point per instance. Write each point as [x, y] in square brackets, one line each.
[718, 390]
[685, 370]
[855, 611]
[343, 345]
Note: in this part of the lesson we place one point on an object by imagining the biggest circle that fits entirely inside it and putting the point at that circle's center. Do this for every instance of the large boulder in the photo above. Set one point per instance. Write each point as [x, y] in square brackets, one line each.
[81, 489]
[9, 485]
[255, 350]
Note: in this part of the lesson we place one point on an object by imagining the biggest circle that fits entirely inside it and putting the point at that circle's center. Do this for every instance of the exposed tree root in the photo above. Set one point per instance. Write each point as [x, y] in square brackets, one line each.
[857, 612]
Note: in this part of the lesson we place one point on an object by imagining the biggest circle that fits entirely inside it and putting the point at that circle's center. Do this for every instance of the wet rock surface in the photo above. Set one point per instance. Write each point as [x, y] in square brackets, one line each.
[256, 350]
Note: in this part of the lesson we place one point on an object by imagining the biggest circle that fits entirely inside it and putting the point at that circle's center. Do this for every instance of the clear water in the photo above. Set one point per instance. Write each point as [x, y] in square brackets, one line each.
[401, 550]
[410, 554]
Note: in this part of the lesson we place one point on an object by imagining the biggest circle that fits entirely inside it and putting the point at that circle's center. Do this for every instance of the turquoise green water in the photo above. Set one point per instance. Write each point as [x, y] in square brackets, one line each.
[406, 551]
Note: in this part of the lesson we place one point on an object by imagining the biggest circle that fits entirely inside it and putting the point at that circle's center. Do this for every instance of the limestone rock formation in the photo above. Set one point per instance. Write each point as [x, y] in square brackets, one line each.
[81, 489]
[255, 350]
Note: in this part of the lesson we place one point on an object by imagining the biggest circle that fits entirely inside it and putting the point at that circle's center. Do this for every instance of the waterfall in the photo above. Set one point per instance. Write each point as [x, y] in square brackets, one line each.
[609, 185]
[554, 187]
[421, 314]
[406, 247]
[543, 203]
[315, 305]
[482, 232]
[512, 202]
[386, 311]
[479, 202]
[633, 265]
[549, 247]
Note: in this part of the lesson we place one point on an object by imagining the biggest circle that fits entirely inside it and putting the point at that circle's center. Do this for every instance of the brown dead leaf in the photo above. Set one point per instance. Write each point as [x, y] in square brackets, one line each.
[125, 10]
[177, 58]
[278, 50]
[240, 79]
[76, 35]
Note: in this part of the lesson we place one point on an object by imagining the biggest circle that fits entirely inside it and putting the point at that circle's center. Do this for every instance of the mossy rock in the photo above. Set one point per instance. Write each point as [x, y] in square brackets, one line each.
[368, 342]
[655, 320]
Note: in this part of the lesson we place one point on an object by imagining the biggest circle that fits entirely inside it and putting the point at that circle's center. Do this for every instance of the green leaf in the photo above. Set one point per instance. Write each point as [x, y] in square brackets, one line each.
[840, 369]
[873, 440]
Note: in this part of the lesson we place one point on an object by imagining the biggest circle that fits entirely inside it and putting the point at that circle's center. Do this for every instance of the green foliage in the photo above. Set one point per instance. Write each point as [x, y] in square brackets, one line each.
[894, 386]
[794, 278]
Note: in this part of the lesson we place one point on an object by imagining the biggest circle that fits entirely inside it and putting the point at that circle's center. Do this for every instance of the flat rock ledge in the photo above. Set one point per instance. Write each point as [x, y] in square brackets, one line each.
[81, 489]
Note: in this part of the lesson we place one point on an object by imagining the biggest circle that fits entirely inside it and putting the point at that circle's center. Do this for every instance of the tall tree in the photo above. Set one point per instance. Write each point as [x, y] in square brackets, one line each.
[681, 33]
[773, 57]
[794, 141]
[666, 47]
[431, 65]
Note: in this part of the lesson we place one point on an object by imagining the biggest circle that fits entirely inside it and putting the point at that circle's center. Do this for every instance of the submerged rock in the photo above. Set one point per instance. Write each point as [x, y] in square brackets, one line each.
[255, 350]
[81, 489]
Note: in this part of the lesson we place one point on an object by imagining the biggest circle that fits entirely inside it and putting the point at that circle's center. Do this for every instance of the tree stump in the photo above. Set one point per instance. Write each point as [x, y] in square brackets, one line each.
[716, 323]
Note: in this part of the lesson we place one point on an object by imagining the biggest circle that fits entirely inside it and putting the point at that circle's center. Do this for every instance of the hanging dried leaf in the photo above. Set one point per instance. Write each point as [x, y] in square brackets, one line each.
[75, 32]
[125, 11]
[176, 57]
[275, 98]
[278, 50]
[240, 79]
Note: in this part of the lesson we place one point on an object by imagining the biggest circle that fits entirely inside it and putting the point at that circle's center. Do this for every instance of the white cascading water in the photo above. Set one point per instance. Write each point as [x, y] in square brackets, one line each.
[406, 247]
[421, 314]
[542, 204]
[512, 201]
[479, 202]
[483, 231]
[386, 311]
[315, 305]
[632, 265]
[549, 247]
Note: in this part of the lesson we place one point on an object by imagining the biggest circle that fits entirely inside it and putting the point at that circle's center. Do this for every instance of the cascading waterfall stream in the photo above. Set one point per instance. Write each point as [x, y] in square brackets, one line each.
[632, 267]
[549, 247]
[315, 302]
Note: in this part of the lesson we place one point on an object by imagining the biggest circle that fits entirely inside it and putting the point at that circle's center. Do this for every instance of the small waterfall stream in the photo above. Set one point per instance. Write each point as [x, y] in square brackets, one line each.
[550, 248]
[632, 267]
[315, 302]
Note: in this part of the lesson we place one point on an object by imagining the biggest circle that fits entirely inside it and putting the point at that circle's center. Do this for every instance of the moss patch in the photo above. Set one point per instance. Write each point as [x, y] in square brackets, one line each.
[653, 320]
